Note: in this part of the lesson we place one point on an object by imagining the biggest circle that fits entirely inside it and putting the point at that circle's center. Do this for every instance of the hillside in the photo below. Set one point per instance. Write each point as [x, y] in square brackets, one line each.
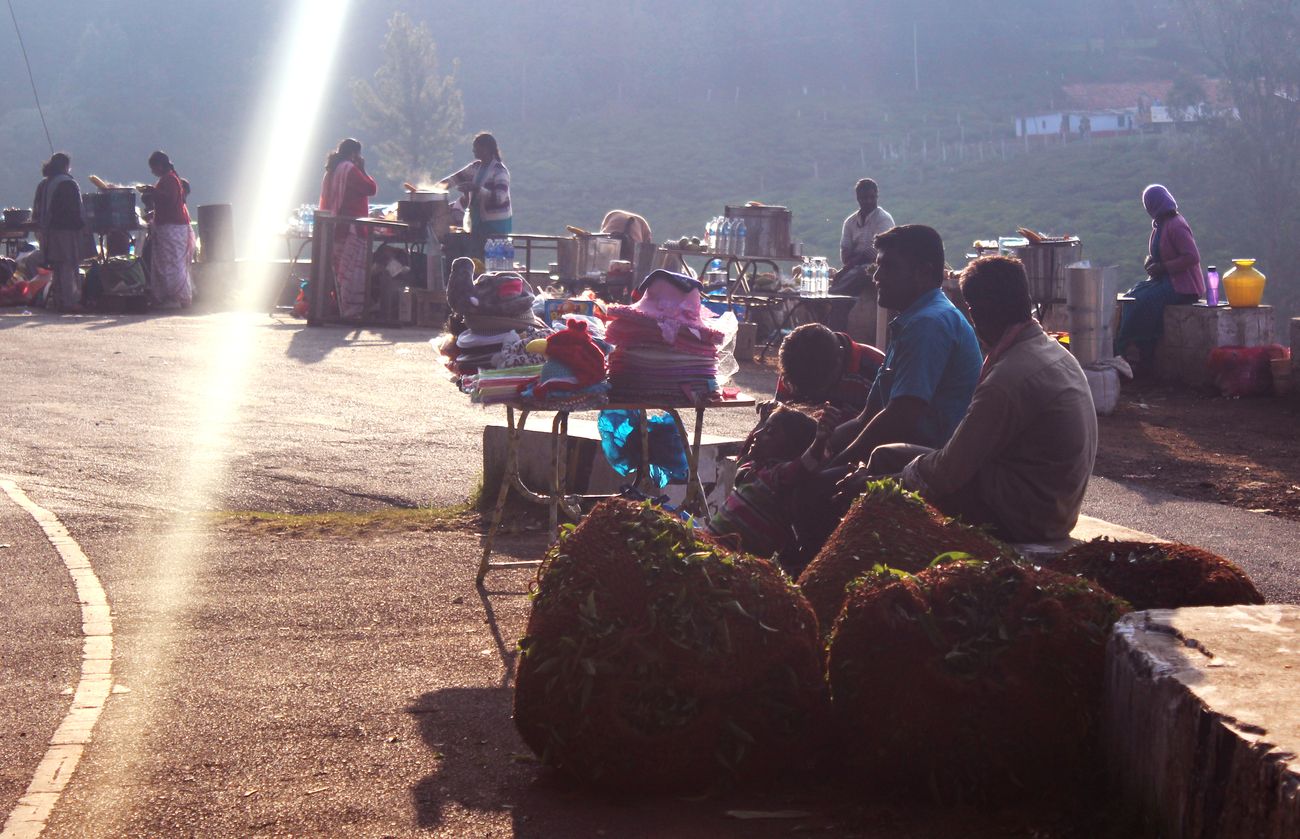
[680, 167]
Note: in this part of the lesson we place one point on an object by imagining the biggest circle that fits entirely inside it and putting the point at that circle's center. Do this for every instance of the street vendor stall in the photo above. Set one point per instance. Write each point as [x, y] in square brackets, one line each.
[662, 353]
[555, 497]
[16, 230]
[322, 282]
[1046, 259]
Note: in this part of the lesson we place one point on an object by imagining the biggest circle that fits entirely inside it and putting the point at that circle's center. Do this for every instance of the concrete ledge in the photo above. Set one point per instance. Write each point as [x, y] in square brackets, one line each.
[1085, 530]
[1201, 722]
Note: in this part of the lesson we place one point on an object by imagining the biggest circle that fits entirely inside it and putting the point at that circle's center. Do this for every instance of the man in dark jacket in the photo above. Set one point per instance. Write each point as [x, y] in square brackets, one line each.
[56, 209]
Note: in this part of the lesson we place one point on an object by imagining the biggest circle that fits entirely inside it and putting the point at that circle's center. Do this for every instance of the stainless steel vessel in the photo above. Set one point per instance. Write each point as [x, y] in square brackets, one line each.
[767, 229]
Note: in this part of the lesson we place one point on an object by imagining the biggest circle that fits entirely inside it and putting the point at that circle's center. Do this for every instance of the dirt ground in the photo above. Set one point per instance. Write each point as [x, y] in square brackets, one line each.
[1240, 452]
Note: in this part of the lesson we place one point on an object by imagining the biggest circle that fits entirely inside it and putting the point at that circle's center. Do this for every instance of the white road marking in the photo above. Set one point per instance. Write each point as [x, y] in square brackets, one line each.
[33, 810]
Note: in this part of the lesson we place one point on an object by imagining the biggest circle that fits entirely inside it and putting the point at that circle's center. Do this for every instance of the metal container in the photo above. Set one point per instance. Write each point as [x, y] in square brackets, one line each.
[581, 257]
[643, 259]
[767, 229]
[1090, 295]
[1045, 264]
[1084, 305]
[426, 208]
[217, 233]
[110, 209]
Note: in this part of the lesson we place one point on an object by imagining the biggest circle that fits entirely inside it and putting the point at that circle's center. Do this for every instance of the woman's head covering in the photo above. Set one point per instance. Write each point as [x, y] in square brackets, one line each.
[1157, 200]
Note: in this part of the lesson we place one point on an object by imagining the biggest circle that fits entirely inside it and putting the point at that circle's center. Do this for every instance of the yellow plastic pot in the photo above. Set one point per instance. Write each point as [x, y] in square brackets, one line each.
[1243, 285]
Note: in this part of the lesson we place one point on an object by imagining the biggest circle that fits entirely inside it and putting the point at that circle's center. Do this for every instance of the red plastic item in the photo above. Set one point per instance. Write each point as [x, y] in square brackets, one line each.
[1244, 371]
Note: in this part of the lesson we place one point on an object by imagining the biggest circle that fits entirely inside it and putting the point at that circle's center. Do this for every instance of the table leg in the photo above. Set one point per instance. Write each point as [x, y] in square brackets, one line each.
[693, 500]
[643, 470]
[513, 434]
[559, 445]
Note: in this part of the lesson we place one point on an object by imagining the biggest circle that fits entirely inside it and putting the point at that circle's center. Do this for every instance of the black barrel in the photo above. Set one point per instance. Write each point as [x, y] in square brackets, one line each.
[217, 232]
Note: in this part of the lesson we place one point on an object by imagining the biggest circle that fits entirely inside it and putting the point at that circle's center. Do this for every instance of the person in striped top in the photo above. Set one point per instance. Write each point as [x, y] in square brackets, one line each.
[780, 454]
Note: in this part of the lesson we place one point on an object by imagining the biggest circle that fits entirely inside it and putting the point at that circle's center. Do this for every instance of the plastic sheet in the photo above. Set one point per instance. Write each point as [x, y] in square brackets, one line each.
[620, 439]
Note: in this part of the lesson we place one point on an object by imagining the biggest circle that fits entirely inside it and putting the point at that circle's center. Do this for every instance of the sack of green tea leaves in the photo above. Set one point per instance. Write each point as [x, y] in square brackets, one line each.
[657, 660]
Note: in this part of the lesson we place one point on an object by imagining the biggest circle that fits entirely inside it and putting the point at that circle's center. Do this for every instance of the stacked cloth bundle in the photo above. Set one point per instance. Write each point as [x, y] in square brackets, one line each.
[573, 377]
[496, 311]
[495, 387]
[665, 352]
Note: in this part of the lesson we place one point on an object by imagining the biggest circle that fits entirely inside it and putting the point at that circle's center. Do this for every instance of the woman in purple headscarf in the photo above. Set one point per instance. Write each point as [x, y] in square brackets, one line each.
[1174, 276]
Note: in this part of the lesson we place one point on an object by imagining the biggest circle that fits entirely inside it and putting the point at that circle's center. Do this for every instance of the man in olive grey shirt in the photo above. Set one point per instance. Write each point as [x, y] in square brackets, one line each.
[1021, 457]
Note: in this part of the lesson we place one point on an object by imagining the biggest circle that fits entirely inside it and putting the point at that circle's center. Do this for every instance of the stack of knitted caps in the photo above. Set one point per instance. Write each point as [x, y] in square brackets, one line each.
[573, 377]
[496, 308]
[665, 351]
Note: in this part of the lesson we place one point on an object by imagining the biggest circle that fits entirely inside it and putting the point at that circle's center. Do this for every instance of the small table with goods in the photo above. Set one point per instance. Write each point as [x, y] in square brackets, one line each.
[555, 497]
[790, 305]
[322, 278]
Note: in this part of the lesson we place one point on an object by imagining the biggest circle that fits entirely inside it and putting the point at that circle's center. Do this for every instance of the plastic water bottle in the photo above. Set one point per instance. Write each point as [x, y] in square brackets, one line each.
[738, 236]
[510, 253]
[711, 234]
[821, 270]
[805, 276]
[724, 236]
[492, 255]
[1212, 286]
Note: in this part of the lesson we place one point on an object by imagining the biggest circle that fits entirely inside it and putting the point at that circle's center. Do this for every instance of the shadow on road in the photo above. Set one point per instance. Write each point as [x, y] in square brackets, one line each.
[509, 652]
[12, 317]
[310, 345]
[472, 744]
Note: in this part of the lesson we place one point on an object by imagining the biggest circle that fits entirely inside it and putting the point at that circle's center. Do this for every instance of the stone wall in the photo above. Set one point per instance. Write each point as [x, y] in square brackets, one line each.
[1191, 332]
[1201, 725]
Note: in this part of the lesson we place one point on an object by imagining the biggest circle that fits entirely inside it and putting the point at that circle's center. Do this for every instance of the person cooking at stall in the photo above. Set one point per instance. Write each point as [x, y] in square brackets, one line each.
[344, 191]
[172, 248]
[485, 194]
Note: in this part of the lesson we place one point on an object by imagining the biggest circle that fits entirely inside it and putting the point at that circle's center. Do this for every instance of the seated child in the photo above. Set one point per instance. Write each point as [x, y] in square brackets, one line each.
[780, 453]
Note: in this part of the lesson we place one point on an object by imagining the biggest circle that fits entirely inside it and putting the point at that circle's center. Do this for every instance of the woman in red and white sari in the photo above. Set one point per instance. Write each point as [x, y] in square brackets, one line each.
[172, 239]
[345, 191]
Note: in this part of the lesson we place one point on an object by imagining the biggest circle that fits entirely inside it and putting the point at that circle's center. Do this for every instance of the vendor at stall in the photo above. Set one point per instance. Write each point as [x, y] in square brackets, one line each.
[172, 247]
[1173, 267]
[932, 362]
[345, 191]
[930, 370]
[485, 194]
[857, 251]
[56, 210]
[1019, 461]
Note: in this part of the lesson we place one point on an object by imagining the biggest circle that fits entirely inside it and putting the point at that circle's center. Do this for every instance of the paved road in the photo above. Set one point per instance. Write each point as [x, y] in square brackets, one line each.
[1265, 546]
[275, 673]
[290, 686]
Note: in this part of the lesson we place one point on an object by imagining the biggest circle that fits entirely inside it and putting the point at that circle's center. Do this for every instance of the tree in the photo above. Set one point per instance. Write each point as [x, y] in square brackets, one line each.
[414, 111]
[1186, 97]
[1255, 45]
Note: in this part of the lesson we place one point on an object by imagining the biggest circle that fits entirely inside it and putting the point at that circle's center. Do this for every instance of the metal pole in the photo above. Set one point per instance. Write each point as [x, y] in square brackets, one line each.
[321, 278]
[916, 62]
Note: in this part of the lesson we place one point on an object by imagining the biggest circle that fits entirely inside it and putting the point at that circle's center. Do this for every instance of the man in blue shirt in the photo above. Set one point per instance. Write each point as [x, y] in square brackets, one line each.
[932, 362]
